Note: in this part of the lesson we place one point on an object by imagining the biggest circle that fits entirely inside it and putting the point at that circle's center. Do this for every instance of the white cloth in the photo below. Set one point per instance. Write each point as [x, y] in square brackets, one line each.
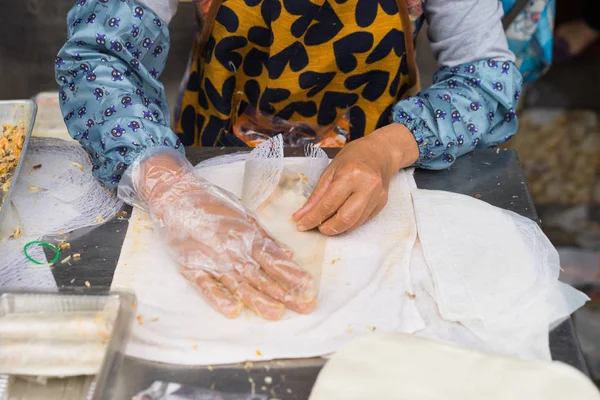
[491, 270]
[363, 289]
[401, 367]
[378, 278]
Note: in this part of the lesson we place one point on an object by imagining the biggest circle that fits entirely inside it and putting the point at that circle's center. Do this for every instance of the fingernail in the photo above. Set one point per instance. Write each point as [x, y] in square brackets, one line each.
[302, 228]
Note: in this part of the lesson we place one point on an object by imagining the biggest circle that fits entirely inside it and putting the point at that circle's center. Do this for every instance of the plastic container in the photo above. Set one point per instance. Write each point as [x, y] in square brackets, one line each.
[49, 335]
[16, 112]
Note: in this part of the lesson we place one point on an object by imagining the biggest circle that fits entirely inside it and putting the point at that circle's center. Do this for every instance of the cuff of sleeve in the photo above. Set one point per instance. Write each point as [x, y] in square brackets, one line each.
[112, 158]
[421, 133]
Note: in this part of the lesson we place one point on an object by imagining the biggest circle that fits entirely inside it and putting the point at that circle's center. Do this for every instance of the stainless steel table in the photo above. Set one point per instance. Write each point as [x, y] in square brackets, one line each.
[494, 176]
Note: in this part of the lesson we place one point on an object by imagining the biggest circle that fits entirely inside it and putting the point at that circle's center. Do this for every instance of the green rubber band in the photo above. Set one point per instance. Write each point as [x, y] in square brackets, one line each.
[43, 244]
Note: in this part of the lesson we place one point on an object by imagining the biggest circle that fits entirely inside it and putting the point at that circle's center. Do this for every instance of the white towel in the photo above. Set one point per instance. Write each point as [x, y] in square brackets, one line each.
[478, 284]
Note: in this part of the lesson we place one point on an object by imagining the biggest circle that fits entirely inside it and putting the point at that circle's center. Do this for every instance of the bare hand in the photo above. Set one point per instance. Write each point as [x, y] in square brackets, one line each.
[354, 188]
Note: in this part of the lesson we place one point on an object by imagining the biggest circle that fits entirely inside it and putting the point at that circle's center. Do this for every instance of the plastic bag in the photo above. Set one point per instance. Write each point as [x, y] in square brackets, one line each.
[254, 127]
[274, 193]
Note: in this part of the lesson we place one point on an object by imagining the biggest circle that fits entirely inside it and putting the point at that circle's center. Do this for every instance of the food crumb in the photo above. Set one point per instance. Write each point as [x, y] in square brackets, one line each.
[66, 260]
[149, 228]
[72, 280]
[133, 306]
[477, 196]
[37, 166]
[410, 295]
[263, 388]
[100, 219]
[349, 331]
[248, 365]
[65, 245]
[336, 260]
[140, 319]
[76, 256]
[268, 380]
[122, 214]
[209, 367]
[154, 320]
[88, 284]
[17, 234]
[374, 328]
[250, 380]
[32, 188]
[118, 230]
[195, 346]
[288, 390]
[258, 353]
[76, 164]
[60, 232]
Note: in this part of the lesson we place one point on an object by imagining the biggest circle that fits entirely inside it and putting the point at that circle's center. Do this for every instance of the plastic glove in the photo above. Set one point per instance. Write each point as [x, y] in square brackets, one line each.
[221, 248]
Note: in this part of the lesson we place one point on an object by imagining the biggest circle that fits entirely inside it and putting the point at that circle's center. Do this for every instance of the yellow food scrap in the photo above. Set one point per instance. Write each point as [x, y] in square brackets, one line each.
[154, 320]
[65, 245]
[258, 353]
[76, 164]
[100, 219]
[195, 346]
[33, 188]
[410, 295]
[336, 260]
[66, 260]
[140, 319]
[88, 284]
[209, 367]
[122, 214]
[17, 234]
[76, 256]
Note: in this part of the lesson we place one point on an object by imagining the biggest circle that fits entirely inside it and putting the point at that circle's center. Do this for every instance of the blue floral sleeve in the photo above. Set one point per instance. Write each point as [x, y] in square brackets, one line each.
[468, 106]
[110, 96]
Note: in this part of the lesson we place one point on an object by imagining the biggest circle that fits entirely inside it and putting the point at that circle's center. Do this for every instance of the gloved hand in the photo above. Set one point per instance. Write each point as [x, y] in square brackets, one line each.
[221, 249]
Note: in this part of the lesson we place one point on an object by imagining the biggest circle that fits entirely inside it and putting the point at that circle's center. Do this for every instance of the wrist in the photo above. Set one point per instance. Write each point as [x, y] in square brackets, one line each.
[158, 172]
[398, 142]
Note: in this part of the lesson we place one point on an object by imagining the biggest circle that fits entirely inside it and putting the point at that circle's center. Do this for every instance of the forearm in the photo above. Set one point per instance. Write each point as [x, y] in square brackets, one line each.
[474, 96]
[110, 96]
[470, 106]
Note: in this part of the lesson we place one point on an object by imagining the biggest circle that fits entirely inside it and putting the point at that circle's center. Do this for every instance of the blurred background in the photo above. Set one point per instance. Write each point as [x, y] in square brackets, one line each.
[558, 141]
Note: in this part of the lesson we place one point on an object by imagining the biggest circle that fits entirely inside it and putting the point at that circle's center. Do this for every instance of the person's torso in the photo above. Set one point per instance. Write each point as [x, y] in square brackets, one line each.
[315, 69]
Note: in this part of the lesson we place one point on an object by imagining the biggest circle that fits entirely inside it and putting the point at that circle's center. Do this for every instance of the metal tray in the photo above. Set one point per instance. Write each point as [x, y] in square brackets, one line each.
[17, 112]
[37, 304]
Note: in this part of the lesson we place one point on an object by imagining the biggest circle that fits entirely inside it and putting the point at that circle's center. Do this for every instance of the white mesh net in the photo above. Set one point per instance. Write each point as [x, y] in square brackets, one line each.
[54, 194]
[263, 172]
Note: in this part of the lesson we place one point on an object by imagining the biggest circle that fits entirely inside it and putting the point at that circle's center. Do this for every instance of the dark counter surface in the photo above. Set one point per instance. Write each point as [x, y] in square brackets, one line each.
[494, 176]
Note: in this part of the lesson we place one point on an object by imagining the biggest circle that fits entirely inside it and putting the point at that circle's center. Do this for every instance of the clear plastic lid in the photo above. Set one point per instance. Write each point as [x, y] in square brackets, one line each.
[49, 335]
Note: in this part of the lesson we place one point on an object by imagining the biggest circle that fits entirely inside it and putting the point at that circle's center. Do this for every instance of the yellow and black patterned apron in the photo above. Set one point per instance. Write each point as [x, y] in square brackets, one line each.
[298, 60]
